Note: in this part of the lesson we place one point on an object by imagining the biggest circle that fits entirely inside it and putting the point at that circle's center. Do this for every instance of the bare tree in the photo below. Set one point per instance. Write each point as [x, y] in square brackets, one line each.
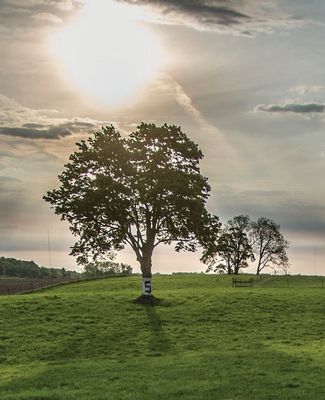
[269, 245]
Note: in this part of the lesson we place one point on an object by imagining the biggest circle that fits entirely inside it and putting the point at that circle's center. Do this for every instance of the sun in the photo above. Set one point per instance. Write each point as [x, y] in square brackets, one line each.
[107, 54]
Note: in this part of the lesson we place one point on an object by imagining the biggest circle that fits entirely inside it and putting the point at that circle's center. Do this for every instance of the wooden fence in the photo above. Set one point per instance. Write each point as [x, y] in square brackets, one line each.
[15, 286]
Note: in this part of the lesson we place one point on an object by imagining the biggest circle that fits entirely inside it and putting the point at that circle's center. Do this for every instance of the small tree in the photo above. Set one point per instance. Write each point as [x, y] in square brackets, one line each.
[269, 245]
[141, 191]
[233, 250]
[92, 270]
[125, 269]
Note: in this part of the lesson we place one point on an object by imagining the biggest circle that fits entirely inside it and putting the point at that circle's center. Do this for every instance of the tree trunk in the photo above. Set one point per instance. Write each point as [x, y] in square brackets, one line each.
[146, 296]
[146, 264]
[144, 256]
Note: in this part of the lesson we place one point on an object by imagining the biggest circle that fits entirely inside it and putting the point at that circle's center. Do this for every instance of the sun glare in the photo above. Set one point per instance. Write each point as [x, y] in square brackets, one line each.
[107, 54]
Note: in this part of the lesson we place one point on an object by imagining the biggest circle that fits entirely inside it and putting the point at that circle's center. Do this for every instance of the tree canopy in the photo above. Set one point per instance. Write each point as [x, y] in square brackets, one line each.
[232, 250]
[142, 190]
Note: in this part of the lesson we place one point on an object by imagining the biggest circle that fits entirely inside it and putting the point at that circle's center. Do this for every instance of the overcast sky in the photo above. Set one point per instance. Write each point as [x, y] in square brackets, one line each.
[243, 78]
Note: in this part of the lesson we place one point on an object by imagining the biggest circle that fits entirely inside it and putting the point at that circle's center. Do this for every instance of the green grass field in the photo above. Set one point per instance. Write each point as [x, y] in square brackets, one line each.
[206, 340]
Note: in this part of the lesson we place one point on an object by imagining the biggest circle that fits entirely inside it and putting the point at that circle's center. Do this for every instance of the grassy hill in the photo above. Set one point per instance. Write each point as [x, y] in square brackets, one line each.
[206, 340]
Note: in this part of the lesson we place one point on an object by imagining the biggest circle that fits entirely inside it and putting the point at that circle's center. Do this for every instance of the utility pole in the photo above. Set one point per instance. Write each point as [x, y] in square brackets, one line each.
[315, 261]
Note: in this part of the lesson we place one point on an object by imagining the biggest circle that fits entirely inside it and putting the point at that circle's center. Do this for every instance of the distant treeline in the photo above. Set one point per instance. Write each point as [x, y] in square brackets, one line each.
[10, 267]
[29, 269]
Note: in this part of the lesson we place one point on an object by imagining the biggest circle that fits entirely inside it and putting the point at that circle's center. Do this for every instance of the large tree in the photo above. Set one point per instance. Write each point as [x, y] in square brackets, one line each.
[142, 191]
[232, 249]
[269, 245]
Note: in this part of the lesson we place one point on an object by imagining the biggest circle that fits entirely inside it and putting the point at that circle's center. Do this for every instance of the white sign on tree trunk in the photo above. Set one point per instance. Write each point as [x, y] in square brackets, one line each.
[146, 287]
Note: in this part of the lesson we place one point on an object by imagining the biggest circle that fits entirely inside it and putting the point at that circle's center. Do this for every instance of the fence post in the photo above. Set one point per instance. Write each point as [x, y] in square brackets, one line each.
[287, 282]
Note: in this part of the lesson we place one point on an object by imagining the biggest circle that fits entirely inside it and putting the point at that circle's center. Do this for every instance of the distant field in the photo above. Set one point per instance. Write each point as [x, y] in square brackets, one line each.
[206, 340]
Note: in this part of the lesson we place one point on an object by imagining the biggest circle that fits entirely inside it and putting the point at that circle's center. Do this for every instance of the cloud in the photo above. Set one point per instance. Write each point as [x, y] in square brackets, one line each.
[18, 15]
[244, 17]
[48, 132]
[306, 89]
[47, 17]
[23, 122]
[303, 108]
[8, 103]
[39, 131]
[66, 5]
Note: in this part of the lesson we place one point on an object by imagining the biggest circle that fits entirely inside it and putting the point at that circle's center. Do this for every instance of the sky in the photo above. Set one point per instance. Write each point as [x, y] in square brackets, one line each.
[243, 78]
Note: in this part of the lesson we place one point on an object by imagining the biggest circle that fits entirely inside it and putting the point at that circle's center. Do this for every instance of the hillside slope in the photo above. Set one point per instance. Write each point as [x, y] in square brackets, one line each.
[206, 340]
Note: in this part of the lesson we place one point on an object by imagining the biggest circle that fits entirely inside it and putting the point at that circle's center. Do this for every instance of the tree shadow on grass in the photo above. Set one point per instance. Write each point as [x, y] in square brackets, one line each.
[158, 341]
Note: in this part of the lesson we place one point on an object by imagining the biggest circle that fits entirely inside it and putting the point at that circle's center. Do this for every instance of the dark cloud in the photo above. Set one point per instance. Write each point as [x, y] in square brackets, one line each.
[205, 11]
[39, 131]
[51, 132]
[24, 122]
[245, 17]
[46, 131]
[306, 108]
